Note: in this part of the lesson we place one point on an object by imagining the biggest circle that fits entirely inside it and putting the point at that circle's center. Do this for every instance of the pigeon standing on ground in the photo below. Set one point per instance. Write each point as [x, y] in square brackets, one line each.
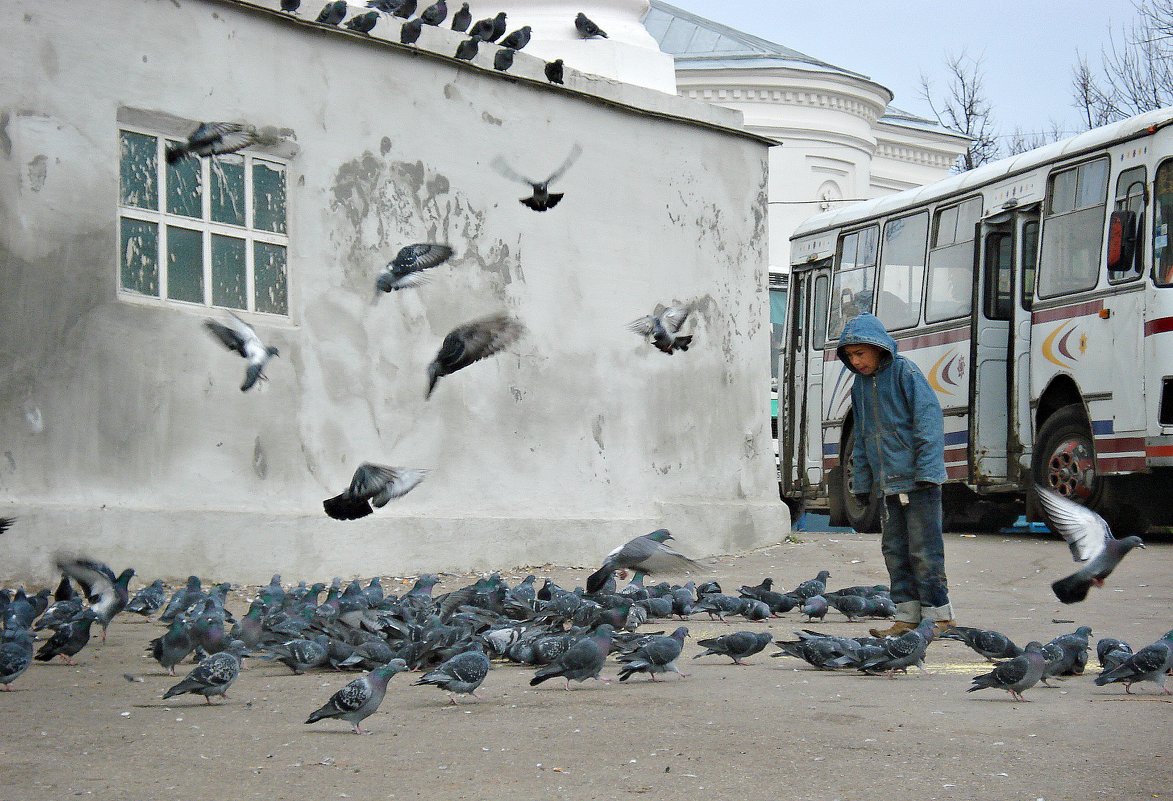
[993, 645]
[503, 59]
[555, 70]
[363, 23]
[470, 343]
[359, 699]
[460, 675]
[68, 640]
[217, 138]
[171, 648]
[542, 198]
[518, 39]
[737, 646]
[16, 654]
[1151, 663]
[647, 553]
[583, 660]
[148, 600]
[587, 29]
[815, 608]
[462, 19]
[661, 327]
[467, 50]
[406, 269]
[332, 13]
[1014, 675]
[107, 593]
[240, 337]
[1090, 541]
[1111, 653]
[903, 652]
[435, 13]
[213, 675]
[657, 655]
[372, 484]
[812, 587]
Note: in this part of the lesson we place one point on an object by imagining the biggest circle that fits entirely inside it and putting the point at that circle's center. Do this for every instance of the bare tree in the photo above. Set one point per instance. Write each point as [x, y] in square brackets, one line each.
[1021, 141]
[1135, 71]
[965, 110]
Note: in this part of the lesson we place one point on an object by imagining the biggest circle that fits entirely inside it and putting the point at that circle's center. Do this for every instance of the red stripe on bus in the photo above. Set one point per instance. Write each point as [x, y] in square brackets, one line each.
[1159, 450]
[1119, 444]
[1159, 326]
[1120, 464]
[1067, 312]
[929, 340]
[829, 463]
[957, 472]
[957, 455]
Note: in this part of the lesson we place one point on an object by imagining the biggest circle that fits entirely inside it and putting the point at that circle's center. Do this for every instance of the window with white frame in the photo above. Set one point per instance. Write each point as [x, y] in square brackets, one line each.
[206, 231]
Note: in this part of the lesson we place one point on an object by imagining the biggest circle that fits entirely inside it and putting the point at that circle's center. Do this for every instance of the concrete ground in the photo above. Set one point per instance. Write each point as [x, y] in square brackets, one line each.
[773, 729]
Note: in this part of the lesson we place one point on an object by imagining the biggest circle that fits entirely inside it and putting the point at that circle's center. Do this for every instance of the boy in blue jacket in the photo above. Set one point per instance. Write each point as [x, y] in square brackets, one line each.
[900, 453]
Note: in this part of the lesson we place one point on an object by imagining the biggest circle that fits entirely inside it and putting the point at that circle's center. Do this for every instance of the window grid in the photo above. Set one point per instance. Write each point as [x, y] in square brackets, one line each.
[162, 219]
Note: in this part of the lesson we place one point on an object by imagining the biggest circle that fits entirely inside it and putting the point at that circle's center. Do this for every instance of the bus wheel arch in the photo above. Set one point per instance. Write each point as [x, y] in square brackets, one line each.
[863, 517]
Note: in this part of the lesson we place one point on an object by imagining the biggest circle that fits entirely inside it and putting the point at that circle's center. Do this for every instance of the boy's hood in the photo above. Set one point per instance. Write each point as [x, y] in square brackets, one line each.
[866, 329]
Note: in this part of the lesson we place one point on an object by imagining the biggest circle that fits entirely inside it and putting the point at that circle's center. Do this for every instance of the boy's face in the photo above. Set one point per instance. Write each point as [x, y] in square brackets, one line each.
[865, 359]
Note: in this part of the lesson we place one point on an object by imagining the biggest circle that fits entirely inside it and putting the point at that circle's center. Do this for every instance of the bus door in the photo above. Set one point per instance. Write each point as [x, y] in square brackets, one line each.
[1020, 420]
[802, 445]
[991, 344]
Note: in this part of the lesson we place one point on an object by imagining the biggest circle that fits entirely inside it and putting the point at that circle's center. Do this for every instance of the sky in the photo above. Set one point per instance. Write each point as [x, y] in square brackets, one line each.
[1027, 47]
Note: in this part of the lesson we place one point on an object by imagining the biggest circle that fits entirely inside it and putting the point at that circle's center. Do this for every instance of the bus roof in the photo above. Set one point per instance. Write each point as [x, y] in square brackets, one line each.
[985, 174]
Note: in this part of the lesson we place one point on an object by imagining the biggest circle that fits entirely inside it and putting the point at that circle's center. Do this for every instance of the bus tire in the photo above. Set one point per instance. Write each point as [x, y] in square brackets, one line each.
[863, 517]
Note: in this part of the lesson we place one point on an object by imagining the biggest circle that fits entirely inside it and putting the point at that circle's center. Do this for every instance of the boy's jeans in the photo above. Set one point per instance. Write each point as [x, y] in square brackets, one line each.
[914, 551]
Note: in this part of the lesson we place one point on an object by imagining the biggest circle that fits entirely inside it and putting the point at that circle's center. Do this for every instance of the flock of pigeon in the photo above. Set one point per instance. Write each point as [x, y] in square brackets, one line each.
[452, 638]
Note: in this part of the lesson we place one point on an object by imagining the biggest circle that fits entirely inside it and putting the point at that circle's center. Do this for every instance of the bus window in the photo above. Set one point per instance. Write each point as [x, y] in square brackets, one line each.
[819, 320]
[950, 268]
[902, 271]
[1163, 225]
[1073, 229]
[855, 268]
[1030, 257]
[998, 294]
[1130, 198]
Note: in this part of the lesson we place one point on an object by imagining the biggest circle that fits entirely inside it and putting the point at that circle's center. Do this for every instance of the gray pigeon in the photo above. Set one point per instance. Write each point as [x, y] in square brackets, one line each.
[359, 699]
[216, 138]
[542, 198]
[647, 553]
[462, 19]
[300, 655]
[363, 23]
[1151, 663]
[16, 654]
[503, 59]
[662, 327]
[1090, 541]
[332, 13]
[410, 32]
[213, 675]
[470, 343]
[993, 645]
[171, 648]
[812, 587]
[1111, 653]
[588, 29]
[518, 39]
[241, 338]
[1014, 675]
[657, 655]
[467, 50]
[583, 660]
[148, 600]
[108, 594]
[903, 652]
[852, 606]
[737, 646]
[372, 484]
[460, 675]
[815, 608]
[555, 70]
[435, 13]
[406, 269]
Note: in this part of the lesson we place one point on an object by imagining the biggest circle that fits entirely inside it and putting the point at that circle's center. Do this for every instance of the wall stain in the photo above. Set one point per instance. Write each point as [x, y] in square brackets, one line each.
[385, 145]
[5, 139]
[38, 171]
[489, 118]
[260, 461]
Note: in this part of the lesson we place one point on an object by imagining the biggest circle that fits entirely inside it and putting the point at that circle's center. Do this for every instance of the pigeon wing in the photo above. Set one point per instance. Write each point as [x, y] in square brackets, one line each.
[643, 326]
[420, 256]
[94, 577]
[506, 171]
[571, 157]
[370, 479]
[673, 317]
[227, 336]
[1087, 533]
[404, 481]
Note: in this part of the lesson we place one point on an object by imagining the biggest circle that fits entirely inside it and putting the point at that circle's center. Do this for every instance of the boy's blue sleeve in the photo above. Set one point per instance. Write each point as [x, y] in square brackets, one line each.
[928, 427]
[861, 472]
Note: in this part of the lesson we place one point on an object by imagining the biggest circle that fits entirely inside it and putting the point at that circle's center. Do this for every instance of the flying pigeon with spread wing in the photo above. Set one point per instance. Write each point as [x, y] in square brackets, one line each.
[372, 484]
[470, 343]
[241, 338]
[542, 199]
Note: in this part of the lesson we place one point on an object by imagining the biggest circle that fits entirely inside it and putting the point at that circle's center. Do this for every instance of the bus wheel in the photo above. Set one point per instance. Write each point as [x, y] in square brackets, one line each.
[863, 517]
[1064, 459]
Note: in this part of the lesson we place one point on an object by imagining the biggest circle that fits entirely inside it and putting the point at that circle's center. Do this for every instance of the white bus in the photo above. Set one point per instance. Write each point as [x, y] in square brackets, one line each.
[1036, 295]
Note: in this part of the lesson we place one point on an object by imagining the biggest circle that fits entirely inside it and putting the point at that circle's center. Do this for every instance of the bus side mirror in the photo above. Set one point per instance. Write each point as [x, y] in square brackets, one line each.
[1121, 241]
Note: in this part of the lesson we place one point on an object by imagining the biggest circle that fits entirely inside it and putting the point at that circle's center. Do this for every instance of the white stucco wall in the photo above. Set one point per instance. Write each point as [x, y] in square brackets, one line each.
[577, 438]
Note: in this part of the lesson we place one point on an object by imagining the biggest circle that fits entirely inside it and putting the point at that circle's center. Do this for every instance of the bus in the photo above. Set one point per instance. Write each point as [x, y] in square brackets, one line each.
[1035, 293]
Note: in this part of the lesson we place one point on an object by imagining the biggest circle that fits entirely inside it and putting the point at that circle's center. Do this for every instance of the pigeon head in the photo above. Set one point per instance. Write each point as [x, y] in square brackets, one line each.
[1128, 543]
[391, 668]
[272, 351]
[660, 535]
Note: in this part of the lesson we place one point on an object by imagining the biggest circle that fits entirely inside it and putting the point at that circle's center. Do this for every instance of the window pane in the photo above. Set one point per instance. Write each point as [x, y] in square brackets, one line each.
[228, 189]
[140, 256]
[868, 241]
[1063, 192]
[268, 197]
[229, 285]
[902, 271]
[139, 171]
[851, 294]
[1093, 184]
[1030, 256]
[272, 293]
[946, 228]
[998, 273]
[847, 248]
[1071, 252]
[185, 188]
[968, 213]
[819, 318]
[185, 264]
[950, 289]
[1163, 224]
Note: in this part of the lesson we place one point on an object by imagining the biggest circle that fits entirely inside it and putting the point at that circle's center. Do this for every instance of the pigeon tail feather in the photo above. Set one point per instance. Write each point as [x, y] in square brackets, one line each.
[1072, 589]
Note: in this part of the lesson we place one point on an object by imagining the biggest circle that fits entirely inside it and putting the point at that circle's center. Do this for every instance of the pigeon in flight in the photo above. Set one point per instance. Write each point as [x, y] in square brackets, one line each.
[434, 14]
[1014, 675]
[646, 553]
[554, 70]
[6, 523]
[363, 23]
[542, 198]
[472, 342]
[108, 594]
[462, 19]
[372, 484]
[213, 139]
[518, 39]
[503, 59]
[1151, 663]
[1090, 541]
[406, 269]
[240, 337]
[662, 327]
[587, 29]
[467, 50]
[359, 699]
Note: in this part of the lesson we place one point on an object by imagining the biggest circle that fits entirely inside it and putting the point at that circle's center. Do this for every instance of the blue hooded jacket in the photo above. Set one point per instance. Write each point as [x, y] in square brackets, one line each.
[899, 428]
